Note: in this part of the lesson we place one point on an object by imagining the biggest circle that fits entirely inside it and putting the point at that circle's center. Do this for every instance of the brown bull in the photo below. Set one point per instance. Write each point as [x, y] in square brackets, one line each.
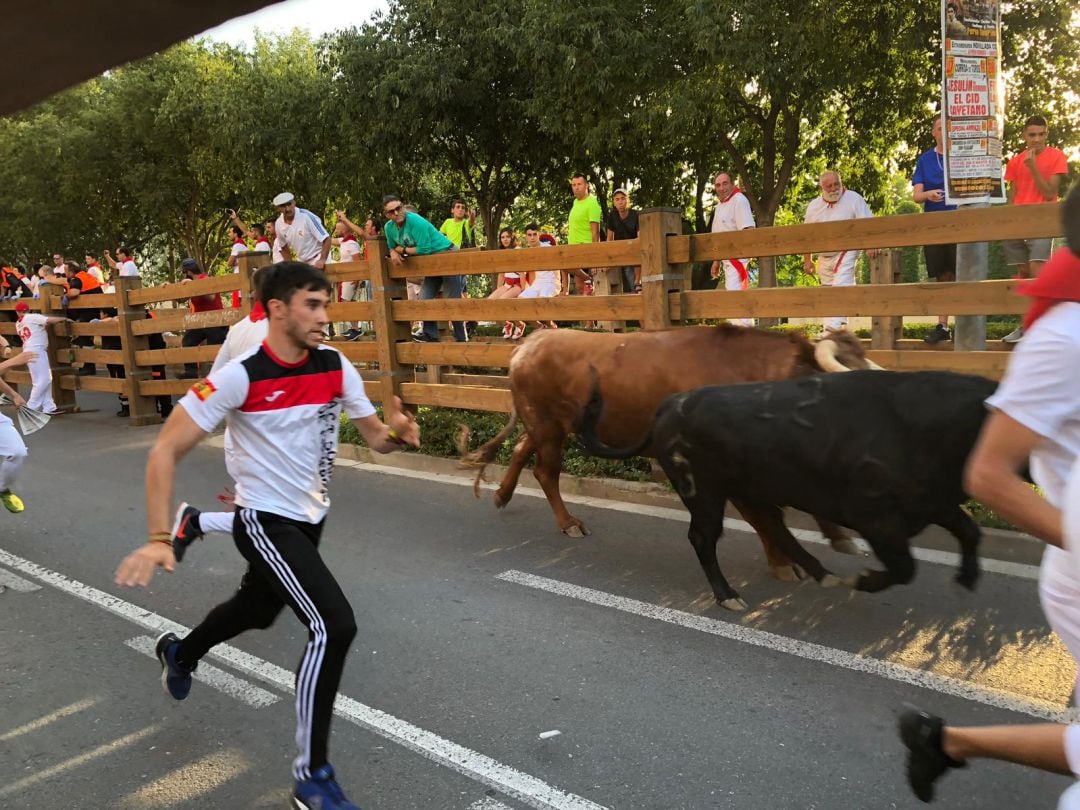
[551, 380]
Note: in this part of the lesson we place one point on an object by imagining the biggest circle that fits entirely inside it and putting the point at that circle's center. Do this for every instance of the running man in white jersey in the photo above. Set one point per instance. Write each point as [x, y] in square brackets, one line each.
[1034, 424]
[732, 213]
[837, 269]
[12, 447]
[33, 330]
[282, 403]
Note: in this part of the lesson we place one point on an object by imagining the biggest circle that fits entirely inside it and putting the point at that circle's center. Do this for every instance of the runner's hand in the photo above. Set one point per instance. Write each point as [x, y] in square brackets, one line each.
[18, 400]
[139, 567]
[403, 423]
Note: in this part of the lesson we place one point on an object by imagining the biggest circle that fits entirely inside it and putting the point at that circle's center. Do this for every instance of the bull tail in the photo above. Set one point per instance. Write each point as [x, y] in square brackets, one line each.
[479, 458]
[585, 427]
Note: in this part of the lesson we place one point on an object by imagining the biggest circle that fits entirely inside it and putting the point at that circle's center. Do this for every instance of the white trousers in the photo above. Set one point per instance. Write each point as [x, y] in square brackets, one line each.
[41, 398]
[12, 453]
[733, 282]
[838, 270]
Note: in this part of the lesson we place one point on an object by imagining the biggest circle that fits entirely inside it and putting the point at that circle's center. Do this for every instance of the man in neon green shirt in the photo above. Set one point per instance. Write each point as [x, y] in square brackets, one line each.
[583, 227]
[408, 234]
[459, 231]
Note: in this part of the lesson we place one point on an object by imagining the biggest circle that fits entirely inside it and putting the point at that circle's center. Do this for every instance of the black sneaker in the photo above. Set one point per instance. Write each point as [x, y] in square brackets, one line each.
[175, 677]
[926, 761]
[937, 334]
[354, 334]
[185, 530]
[424, 337]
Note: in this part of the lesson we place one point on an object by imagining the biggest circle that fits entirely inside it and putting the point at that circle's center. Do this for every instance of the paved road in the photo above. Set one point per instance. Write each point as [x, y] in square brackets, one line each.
[479, 632]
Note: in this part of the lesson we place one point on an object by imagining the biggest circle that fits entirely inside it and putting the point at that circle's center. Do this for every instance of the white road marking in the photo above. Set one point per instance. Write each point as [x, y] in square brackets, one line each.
[802, 649]
[1011, 569]
[52, 717]
[489, 804]
[9, 580]
[248, 693]
[484, 769]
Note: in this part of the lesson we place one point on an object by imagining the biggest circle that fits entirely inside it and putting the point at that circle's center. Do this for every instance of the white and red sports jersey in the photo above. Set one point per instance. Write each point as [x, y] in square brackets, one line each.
[349, 249]
[283, 421]
[32, 330]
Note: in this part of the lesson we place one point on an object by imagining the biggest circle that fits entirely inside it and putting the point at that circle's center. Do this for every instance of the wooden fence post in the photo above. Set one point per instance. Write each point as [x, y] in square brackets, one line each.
[248, 264]
[143, 409]
[384, 291]
[885, 330]
[658, 276]
[60, 351]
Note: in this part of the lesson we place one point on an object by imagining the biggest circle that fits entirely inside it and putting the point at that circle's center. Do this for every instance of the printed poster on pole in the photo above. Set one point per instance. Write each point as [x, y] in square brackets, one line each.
[973, 101]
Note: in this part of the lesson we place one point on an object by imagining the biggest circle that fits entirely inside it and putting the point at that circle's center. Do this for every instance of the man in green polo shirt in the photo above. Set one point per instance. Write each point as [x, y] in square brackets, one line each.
[408, 234]
[583, 227]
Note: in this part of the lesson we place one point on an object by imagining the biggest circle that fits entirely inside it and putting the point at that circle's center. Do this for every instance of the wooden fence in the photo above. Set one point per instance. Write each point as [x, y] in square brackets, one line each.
[389, 358]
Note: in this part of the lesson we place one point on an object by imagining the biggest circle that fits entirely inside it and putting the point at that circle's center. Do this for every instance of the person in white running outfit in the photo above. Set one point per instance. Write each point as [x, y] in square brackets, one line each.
[1034, 424]
[12, 448]
[732, 213]
[32, 329]
[835, 204]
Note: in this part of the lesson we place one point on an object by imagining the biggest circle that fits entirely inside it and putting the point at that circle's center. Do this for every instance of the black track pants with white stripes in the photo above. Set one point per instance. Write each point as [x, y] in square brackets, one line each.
[284, 568]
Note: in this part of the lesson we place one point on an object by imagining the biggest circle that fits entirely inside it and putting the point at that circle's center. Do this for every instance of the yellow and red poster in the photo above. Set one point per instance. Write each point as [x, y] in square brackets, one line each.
[972, 100]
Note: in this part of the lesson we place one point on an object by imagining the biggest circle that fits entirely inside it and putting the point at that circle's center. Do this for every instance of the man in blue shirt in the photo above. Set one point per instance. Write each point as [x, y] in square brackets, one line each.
[408, 234]
[928, 188]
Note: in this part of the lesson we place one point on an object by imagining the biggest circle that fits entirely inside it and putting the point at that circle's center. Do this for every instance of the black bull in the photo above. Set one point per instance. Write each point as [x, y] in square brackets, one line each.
[880, 452]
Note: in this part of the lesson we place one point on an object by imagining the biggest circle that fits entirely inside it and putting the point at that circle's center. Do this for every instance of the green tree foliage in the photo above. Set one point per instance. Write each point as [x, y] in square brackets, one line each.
[499, 102]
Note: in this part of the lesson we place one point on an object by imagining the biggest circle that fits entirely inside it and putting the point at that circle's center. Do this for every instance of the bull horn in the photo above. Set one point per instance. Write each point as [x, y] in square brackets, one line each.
[825, 355]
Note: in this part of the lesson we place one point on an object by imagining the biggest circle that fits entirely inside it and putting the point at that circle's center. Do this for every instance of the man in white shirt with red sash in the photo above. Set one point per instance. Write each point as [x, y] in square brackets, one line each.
[732, 213]
[835, 204]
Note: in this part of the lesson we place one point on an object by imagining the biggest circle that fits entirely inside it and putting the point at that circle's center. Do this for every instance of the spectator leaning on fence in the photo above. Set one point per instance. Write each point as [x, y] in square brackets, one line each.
[93, 267]
[409, 234]
[928, 188]
[300, 234]
[211, 302]
[81, 283]
[1034, 176]
[732, 213]
[622, 223]
[835, 268]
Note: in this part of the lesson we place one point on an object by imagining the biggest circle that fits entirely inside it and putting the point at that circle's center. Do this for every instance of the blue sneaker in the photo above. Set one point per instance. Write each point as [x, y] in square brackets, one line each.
[175, 678]
[321, 792]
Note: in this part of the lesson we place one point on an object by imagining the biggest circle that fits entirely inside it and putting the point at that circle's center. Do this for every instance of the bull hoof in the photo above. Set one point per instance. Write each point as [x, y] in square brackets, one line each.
[830, 581]
[500, 501]
[967, 579]
[575, 531]
[852, 581]
[788, 573]
[735, 604]
[845, 545]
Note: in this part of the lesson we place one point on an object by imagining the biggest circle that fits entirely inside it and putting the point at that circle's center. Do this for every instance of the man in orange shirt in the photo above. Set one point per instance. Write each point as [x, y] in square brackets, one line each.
[1034, 176]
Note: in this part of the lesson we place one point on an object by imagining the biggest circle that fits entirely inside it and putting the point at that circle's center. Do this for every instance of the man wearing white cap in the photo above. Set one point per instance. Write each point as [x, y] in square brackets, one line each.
[300, 233]
[836, 203]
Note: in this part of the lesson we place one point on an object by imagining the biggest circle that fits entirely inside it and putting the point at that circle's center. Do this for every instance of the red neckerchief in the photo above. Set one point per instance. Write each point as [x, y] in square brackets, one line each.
[257, 312]
[95, 264]
[239, 242]
[731, 196]
[1059, 280]
[348, 238]
[261, 240]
